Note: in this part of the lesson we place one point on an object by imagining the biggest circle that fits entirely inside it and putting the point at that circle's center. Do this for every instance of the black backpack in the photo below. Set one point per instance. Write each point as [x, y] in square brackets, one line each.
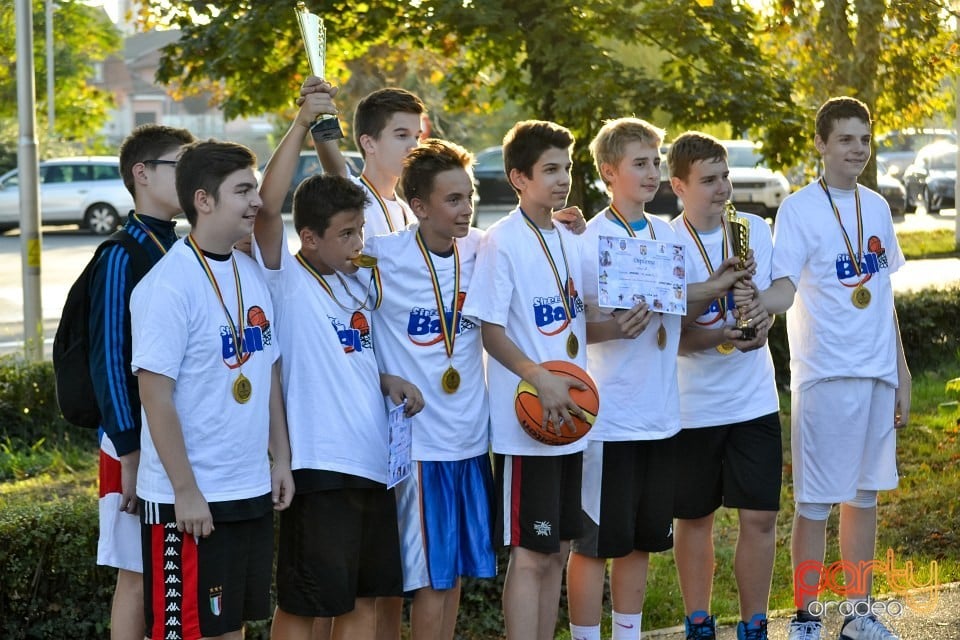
[71, 345]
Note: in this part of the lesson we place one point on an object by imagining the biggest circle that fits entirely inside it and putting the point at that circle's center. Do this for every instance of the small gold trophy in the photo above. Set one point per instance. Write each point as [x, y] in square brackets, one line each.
[740, 241]
[314, 34]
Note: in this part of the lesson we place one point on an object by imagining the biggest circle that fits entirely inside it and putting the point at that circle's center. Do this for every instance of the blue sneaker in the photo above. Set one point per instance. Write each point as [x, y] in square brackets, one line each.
[756, 629]
[700, 626]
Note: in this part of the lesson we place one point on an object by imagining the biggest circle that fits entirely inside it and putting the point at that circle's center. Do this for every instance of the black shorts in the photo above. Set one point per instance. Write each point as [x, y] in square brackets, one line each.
[538, 501]
[629, 486]
[197, 590]
[739, 466]
[338, 545]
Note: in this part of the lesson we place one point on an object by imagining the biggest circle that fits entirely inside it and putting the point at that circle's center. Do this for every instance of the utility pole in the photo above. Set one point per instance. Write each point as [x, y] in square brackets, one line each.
[51, 110]
[30, 240]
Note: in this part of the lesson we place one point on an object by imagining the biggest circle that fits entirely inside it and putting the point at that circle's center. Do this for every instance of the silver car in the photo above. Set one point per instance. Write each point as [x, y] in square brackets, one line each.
[85, 190]
[756, 188]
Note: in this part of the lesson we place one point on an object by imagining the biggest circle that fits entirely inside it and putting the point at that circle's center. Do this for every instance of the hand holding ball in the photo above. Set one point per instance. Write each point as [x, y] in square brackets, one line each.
[530, 411]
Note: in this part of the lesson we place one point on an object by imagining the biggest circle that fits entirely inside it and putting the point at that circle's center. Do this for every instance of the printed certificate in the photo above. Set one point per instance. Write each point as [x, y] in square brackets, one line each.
[399, 429]
[634, 270]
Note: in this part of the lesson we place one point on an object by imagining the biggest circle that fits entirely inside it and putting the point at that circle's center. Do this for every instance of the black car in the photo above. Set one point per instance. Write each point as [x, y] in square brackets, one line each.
[309, 165]
[898, 149]
[932, 177]
[492, 184]
[891, 189]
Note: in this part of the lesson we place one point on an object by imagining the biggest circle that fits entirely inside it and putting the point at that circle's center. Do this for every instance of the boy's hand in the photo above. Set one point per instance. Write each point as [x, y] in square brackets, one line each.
[193, 513]
[901, 410]
[762, 325]
[281, 486]
[555, 401]
[572, 218]
[316, 103]
[128, 481]
[312, 85]
[632, 322]
[400, 391]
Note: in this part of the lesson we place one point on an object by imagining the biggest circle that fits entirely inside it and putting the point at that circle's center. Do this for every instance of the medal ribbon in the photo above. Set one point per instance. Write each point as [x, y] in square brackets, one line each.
[150, 234]
[375, 283]
[383, 205]
[237, 336]
[706, 258]
[564, 293]
[447, 330]
[619, 217]
[855, 259]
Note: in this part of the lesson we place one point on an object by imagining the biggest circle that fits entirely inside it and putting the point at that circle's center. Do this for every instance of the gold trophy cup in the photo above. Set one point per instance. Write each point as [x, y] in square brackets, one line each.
[740, 241]
[314, 34]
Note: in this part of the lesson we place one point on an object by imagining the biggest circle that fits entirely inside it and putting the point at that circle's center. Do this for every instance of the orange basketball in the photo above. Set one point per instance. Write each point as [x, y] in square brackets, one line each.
[530, 412]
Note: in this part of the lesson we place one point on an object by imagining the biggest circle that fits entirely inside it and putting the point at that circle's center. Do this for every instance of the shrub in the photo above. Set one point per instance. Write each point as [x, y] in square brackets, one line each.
[28, 402]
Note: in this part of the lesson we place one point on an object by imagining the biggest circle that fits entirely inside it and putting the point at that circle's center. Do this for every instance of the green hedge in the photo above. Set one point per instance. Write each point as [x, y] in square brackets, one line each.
[28, 402]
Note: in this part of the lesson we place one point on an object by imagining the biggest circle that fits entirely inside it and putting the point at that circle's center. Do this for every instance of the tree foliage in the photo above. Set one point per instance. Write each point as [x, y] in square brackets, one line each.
[687, 63]
[82, 36]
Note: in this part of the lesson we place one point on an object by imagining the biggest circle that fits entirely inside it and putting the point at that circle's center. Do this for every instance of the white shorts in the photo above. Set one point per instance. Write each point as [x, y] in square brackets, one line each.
[842, 439]
[119, 543]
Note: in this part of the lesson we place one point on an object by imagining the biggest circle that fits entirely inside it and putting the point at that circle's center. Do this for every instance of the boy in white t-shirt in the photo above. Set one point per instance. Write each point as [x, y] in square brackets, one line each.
[386, 126]
[834, 250]
[334, 397]
[525, 293]
[728, 402]
[445, 505]
[205, 354]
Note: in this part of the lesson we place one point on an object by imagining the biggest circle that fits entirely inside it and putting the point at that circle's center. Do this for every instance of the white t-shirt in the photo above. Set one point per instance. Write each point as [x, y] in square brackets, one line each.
[637, 380]
[828, 336]
[451, 426]
[180, 330]
[336, 414]
[513, 286]
[717, 389]
[375, 218]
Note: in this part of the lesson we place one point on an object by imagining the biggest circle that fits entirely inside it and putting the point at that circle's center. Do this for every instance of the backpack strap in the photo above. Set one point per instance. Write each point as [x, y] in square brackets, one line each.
[139, 259]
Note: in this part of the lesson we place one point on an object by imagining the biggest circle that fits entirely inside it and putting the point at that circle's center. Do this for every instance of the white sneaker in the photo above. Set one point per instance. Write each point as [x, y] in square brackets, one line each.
[805, 630]
[866, 628]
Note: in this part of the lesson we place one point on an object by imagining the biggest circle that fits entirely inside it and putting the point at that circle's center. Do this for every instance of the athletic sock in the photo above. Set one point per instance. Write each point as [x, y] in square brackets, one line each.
[584, 633]
[626, 626]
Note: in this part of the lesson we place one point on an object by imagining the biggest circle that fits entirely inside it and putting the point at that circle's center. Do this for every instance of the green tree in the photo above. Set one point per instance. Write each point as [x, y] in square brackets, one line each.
[895, 55]
[83, 36]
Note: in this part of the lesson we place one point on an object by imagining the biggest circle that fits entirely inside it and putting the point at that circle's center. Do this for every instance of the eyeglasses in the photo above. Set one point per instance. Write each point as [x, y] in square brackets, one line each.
[171, 163]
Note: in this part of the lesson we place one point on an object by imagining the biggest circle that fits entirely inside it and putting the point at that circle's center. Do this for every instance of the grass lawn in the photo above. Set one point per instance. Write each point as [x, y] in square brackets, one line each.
[937, 243]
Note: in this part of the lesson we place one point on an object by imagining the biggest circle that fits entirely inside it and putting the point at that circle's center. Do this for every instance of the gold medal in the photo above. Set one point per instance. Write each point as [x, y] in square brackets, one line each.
[662, 337]
[450, 381]
[861, 297]
[242, 389]
[573, 345]
[726, 348]
[364, 261]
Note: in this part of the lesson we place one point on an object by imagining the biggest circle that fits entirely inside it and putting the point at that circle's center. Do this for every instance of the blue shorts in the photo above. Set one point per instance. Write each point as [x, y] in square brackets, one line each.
[445, 511]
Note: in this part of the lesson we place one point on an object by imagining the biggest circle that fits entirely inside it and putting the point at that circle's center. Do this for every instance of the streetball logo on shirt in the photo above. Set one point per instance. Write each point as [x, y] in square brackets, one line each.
[256, 335]
[356, 337]
[423, 325]
[714, 312]
[550, 315]
[874, 259]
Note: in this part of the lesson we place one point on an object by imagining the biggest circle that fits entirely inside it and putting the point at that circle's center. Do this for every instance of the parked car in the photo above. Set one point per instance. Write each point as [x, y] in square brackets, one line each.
[310, 165]
[756, 188]
[85, 190]
[891, 189]
[932, 177]
[493, 188]
[899, 148]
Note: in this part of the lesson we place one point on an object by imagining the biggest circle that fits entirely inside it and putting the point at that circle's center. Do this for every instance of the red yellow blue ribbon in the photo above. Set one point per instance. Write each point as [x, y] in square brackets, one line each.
[237, 335]
[383, 205]
[447, 330]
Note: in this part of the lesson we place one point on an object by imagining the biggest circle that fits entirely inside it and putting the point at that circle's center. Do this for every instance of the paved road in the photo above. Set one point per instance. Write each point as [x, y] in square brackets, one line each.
[66, 251]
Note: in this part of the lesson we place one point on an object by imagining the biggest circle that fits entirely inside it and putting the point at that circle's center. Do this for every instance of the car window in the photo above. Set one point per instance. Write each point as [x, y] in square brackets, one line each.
[52, 175]
[105, 172]
[78, 172]
[491, 161]
[945, 162]
[309, 165]
[13, 181]
[743, 157]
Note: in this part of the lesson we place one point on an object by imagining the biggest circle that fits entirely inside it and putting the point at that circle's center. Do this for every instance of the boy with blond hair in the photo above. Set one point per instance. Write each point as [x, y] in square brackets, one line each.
[628, 467]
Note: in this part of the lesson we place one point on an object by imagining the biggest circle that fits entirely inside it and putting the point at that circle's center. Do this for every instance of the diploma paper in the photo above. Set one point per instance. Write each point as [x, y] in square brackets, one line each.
[634, 270]
[400, 439]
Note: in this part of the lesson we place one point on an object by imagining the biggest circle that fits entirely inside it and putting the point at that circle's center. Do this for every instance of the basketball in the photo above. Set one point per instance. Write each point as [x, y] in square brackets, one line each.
[530, 413]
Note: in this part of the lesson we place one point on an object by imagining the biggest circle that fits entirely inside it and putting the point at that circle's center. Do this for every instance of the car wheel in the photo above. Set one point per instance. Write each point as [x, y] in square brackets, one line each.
[101, 219]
